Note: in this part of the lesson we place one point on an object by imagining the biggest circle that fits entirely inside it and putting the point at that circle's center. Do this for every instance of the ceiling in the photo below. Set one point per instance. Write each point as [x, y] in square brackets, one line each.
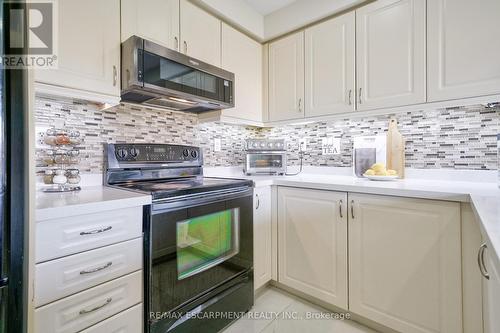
[265, 7]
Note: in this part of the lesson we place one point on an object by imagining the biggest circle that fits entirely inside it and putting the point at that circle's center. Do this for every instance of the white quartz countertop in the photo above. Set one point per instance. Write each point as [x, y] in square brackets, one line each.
[88, 200]
[483, 196]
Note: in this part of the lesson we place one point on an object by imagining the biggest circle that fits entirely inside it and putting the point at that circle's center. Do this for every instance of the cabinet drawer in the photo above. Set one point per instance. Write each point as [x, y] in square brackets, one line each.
[77, 312]
[128, 321]
[61, 237]
[59, 278]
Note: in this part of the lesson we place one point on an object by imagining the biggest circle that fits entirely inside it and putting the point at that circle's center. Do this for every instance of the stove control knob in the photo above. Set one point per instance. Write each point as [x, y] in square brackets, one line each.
[134, 152]
[262, 145]
[270, 145]
[185, 153]
[194, 154]
[121, 153]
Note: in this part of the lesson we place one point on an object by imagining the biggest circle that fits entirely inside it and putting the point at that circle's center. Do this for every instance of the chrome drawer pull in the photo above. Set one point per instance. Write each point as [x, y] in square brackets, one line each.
[480, 262]
[90, 271]
[82, 312]
[97, 231]
[340, 209]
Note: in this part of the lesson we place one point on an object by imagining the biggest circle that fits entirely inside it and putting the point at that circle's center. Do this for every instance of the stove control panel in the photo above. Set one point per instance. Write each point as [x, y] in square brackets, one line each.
[154, 153]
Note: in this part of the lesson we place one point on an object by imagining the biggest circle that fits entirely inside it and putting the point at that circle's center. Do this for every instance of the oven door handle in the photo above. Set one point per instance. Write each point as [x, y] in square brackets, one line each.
[197, 310]
[200, 199]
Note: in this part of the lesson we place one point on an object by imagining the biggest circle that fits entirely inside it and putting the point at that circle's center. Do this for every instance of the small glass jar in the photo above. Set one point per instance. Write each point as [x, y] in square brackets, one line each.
[73, 156]
[59, 177]
[49, 157]
[48, 177]
[61, 157]
[50, 137]
[74, 138]
[62, 138]
[73, 176]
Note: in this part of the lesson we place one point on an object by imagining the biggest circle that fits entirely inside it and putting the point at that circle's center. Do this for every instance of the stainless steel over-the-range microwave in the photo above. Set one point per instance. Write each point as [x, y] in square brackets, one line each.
[157, 76]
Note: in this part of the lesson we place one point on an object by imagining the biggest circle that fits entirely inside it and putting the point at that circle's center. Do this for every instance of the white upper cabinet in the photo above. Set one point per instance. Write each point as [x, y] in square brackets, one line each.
[89, 47]
[405, 263]
[330, 67]
[155, 20]
[312, 243]
[243, 56]
[463, 48]
[390, 49]
[200, 34]
[286, 78]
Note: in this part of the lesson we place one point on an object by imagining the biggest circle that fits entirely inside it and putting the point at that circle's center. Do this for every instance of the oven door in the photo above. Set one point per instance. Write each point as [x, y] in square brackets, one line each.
[196, 244]
[265, 162]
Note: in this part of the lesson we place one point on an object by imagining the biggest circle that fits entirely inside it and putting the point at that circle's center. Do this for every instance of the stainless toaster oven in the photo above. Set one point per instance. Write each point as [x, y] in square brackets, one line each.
[265, 157]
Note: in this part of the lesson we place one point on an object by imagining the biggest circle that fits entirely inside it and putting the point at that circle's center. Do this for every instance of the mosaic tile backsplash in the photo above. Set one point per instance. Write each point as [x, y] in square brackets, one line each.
[458, 138]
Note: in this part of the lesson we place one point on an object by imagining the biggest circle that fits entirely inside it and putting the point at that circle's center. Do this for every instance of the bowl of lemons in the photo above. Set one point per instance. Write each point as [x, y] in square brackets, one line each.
[378, 171]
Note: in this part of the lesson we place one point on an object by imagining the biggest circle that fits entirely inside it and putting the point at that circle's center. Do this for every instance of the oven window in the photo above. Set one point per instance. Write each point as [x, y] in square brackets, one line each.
[205, 241]
[265, 161]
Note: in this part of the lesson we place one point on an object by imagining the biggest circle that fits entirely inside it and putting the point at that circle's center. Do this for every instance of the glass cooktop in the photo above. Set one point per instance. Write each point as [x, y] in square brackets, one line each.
[161, 189]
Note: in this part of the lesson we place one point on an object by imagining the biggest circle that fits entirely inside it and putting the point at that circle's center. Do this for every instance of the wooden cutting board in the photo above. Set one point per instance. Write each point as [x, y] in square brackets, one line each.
[395, 149]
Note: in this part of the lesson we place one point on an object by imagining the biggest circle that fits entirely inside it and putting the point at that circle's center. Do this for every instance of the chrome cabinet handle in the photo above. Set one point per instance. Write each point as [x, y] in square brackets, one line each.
[176, 43]
[359, 96]
[94, 270]
[480, 261]
[115, 76]
[96, 231]
[350, 96]
[185, 47]
[258, 201]
[300, 104]
[84, 311]
[352, 209]
[340, 209]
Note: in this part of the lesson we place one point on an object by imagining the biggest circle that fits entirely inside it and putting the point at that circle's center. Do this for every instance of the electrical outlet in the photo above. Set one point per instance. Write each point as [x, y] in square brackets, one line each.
[303, 144]
[217, 145]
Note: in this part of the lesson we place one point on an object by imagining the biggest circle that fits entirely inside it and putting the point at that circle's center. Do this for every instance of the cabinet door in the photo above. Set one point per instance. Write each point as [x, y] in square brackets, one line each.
[329, 67]
[243, 56]
[200, 34]
[286, 78]
[89, 47]
[155, 20]
[390, 51]
[262, 236]
[463, 48]
[491, 294]
[405, 263]
[312, 243]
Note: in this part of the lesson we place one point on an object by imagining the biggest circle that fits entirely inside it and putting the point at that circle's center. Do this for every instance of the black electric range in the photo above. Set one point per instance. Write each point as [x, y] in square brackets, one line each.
[198, 236]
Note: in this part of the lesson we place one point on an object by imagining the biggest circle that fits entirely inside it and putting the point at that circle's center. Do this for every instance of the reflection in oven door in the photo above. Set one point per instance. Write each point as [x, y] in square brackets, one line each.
[197, 249]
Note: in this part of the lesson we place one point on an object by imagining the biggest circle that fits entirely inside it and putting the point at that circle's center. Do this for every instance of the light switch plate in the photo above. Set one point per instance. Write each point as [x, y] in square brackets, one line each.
[217, 145]
[330, 146]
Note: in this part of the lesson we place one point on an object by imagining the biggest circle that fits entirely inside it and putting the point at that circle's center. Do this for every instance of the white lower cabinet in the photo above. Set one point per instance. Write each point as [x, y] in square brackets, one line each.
[312, 243]
[75, 313]
[59, 278]
[405, 263]
[491, 294]
[262, 236]
[128, 321]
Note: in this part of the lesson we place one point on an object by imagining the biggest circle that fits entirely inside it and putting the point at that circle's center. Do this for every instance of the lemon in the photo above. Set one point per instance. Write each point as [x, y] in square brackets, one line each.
[392, 172]
[381, 172]
[369, 172]
[378, 167]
